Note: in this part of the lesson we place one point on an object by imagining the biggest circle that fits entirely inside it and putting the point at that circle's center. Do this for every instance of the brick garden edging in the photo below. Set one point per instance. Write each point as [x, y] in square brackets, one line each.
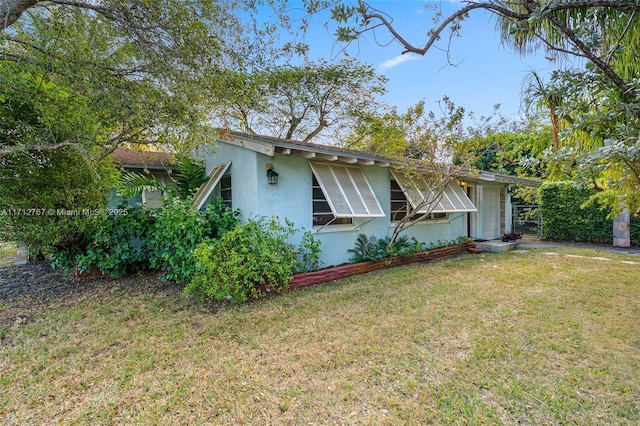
[344, 271]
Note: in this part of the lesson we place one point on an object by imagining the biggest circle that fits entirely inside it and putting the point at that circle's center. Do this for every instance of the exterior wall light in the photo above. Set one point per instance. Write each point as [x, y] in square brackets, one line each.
[272, 176]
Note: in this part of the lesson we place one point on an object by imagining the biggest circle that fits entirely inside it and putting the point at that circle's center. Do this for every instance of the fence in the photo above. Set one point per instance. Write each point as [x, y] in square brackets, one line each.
[527, 219]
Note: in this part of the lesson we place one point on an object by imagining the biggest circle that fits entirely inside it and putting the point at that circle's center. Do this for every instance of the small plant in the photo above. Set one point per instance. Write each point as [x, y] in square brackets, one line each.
[405, 246]
[368, 248]
[308, 255]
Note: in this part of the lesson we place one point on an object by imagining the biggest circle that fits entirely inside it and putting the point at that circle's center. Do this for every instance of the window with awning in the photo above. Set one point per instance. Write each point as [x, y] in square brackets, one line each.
[416, 189]
[206, 188]
[346, 190]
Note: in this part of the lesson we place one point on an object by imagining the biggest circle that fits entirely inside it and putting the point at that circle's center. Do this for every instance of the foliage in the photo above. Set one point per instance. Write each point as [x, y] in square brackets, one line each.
[635, 230]
[304, 102]
[51, 201]
[567, 214]
[519, 152]
[599, 139]
[370, 248]
[121, 243]
[114, 72]
[431, 148]
[137, 238]
[253, 259]
[367, 248]
[179, 228]
[186, 180]
[308, 254]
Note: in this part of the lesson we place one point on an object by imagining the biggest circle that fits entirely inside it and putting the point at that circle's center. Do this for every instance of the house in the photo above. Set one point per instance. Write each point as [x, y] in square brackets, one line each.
[151, 163]
[339, 193]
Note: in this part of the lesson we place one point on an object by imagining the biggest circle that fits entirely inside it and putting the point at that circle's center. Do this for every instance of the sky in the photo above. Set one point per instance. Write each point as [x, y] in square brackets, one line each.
[486, 73]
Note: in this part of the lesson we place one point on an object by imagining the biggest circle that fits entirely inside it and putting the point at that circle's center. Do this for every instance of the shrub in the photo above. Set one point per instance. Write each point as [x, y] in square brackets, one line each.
[179, 228]
[247, 262]
[52, 193]
[121, 243]
[367, 248]
[635, 231]
[308, 254]
[572, 213]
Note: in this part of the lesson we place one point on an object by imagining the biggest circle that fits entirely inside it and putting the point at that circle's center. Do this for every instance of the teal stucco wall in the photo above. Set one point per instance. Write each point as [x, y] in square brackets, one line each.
[291, 198]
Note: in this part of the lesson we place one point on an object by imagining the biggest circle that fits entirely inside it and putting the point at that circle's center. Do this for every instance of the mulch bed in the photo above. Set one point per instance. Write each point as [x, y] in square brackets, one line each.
[27, 290]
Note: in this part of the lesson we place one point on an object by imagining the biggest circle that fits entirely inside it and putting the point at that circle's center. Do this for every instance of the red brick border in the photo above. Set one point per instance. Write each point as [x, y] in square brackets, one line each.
[344, 271]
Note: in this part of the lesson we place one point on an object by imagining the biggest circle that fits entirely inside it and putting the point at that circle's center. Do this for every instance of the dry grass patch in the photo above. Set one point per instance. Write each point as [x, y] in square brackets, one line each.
[7, 253]
[490, 339]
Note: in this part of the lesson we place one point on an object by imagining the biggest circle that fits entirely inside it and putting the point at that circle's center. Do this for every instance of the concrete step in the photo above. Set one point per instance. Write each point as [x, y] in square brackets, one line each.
[497, 246]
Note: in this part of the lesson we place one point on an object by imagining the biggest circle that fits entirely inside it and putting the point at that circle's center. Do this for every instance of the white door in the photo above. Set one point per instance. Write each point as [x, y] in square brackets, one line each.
[490, 213]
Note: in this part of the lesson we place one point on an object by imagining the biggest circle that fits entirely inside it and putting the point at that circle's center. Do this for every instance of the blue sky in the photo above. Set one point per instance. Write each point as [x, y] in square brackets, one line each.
[486, 74]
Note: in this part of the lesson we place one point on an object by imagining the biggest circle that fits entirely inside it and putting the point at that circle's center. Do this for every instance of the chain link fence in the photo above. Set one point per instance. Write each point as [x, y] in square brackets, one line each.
[527, 219]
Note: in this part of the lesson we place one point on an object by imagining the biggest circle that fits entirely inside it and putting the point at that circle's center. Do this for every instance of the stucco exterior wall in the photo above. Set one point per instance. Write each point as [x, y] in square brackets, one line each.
[291, 198]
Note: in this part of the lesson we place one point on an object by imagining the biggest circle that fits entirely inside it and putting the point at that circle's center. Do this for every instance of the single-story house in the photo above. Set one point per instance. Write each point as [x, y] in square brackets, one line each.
[339, 193]
[150, 163]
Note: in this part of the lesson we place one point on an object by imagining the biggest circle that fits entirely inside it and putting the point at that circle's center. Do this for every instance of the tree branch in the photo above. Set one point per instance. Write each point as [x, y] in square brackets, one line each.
[24, 148]
[11, 10]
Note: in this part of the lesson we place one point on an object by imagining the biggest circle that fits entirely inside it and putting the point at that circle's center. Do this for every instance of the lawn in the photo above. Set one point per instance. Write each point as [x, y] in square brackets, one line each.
[7, 253]
[515, 338]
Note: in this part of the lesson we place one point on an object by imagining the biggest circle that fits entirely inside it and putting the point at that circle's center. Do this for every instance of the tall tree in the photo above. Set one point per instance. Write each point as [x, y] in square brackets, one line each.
[602, 33]
[305, 102]
[137, 69]
[596, 30]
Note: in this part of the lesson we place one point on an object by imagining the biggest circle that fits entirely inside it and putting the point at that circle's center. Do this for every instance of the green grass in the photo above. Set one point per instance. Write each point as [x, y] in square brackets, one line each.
[7, 253]
[516, 338]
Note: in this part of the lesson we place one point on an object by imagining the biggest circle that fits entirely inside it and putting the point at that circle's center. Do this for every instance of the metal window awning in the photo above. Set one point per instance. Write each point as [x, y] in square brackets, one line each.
[417, 190]
[206, 188]
[347, 190]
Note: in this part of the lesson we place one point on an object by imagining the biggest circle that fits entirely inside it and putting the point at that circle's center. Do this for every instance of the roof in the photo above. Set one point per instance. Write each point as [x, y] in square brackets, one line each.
[143, 159]
[269, 145]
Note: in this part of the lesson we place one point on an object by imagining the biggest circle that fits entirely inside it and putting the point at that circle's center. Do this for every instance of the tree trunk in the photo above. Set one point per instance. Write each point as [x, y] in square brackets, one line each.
[11, 10]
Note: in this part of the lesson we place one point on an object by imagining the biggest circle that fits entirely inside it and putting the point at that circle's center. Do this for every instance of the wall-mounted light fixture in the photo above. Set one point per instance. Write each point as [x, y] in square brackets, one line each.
[272, 175]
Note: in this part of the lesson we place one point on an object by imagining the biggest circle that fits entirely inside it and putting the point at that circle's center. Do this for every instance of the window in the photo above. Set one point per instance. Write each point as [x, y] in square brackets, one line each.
[224, 190]
[152, 199]
[407, 193]
[215, 176]
[341, 193]
[322, 214]
[400, 206]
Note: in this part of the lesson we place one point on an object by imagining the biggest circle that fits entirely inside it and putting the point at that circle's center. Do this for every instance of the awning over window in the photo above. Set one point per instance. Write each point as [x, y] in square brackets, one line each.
[347, 190]
[206, 188]
[416, 189]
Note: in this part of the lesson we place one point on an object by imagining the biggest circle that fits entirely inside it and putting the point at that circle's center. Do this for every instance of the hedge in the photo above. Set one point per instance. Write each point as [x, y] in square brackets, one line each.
[564, 219]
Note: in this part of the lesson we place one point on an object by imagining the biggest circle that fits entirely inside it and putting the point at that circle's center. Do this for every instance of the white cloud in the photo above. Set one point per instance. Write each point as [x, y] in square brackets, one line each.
[393, 62]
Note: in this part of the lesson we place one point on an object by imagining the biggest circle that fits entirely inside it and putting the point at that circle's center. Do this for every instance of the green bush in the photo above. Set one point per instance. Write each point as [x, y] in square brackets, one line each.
[367, 249]
[47, 199]
[179, 228]
[121, 243]
[308, 254]
[247, 262]
[149, 238]
[635, 231]
[568, 214]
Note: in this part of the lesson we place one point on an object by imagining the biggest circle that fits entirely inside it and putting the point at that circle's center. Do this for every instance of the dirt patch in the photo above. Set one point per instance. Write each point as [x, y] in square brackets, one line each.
[26, 291]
